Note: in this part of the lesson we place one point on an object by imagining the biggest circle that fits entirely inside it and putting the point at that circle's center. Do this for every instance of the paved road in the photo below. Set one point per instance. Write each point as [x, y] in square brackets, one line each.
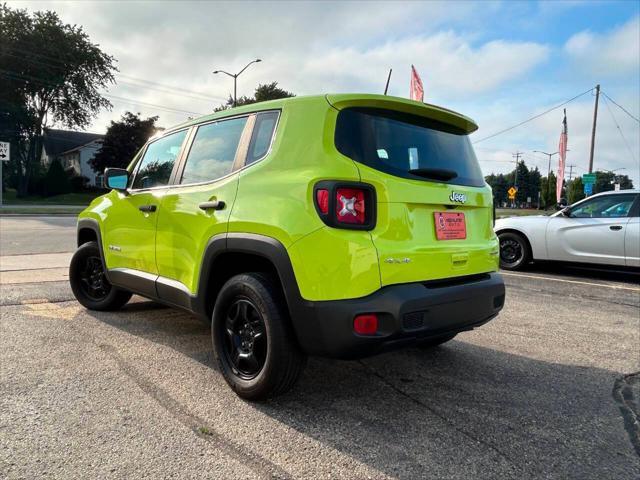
[37, 234]
[539, 392]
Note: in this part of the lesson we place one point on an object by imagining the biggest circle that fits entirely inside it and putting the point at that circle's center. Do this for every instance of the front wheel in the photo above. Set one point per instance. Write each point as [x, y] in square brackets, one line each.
[253, 343]
[89, 282]
[514, 251]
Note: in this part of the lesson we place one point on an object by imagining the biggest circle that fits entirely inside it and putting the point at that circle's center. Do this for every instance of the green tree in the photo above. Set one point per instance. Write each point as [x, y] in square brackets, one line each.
[56, 180]
[50, 72]
[122, 140]
[575, 190]
[548, 191]
[605, 181]
[263, 93]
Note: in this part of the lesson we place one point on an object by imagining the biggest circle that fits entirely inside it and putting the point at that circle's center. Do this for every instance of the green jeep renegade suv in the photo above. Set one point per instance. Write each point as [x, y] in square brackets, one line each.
[335, 225]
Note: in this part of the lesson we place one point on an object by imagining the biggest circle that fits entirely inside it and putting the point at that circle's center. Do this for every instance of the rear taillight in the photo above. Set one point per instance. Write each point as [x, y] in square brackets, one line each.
[348, 205]
[322, 200]
[366, 324]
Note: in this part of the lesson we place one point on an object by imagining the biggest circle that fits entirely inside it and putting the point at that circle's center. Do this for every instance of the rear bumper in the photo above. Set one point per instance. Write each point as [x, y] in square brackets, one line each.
[407, 313]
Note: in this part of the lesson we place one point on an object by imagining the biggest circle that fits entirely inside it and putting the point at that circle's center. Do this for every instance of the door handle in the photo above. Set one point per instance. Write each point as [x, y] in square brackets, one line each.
[213, 205]
[147, 208]
[615, 227]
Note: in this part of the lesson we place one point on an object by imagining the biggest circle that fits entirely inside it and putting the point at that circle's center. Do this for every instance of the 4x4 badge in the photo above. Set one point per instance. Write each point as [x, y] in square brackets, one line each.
[458, 197]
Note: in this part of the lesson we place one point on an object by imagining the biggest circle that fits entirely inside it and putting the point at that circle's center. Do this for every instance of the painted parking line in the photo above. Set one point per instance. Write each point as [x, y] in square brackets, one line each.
[539, 277]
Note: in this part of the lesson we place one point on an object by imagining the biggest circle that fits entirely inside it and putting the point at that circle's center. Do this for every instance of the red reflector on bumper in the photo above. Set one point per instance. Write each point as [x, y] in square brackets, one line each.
[366, 324]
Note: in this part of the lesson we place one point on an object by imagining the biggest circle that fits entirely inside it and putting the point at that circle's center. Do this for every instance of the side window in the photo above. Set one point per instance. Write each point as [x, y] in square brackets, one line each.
[155, 167]
[262, 135]
[213, 151]
[610, 206]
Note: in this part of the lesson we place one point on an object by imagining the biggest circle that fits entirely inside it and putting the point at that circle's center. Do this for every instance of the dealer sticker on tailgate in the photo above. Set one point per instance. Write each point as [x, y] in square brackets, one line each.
[450, 226]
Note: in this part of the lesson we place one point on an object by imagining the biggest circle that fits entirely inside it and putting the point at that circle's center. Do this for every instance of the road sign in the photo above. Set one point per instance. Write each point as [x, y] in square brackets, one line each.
[616, 187]
[588, 189]
[512, 192]
[589, 178]
[4, 151]
[4, 157]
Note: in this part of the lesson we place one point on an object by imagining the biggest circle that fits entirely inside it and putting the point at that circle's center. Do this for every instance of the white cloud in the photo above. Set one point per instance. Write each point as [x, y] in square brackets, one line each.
[613, 53]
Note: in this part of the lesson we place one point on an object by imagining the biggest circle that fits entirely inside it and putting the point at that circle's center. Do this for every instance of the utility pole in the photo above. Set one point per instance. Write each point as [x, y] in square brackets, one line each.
[517, 156]
[593, 129]
[571, 167]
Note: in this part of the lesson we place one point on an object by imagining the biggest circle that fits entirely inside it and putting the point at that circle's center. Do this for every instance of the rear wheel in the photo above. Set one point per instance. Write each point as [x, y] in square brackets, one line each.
[253, 343]
[89, 282]
[514, 251]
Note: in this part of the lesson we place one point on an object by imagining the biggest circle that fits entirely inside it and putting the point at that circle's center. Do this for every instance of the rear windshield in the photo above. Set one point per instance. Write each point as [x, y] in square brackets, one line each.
[397, 143]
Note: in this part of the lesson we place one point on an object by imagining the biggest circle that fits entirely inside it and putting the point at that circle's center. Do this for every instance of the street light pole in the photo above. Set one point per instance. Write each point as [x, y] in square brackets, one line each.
[235, 78]
[546, 196]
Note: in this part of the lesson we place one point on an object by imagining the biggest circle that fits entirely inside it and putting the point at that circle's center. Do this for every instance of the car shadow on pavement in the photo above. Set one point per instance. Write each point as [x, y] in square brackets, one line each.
[459, 410]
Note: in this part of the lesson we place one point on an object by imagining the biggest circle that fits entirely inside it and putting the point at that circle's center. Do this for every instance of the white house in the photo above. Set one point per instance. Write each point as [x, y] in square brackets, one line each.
[74, 150]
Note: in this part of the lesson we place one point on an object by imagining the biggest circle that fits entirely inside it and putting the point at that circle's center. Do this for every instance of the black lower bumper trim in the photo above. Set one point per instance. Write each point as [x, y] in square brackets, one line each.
[407, 313]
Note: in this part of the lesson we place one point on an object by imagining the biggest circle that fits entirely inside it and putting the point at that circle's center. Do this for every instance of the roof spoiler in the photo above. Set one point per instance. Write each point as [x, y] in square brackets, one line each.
[433, 112]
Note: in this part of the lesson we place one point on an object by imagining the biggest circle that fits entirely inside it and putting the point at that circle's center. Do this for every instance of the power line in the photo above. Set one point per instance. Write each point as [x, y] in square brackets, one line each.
[620, 107]
[178, 90]
[619, 129]
[532, 118]
[9, 74]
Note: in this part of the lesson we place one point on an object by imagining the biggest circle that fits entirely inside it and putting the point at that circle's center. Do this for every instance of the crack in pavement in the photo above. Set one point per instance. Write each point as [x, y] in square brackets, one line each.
[443, 418]
[623, 395]
[262, 466]
[35, 301]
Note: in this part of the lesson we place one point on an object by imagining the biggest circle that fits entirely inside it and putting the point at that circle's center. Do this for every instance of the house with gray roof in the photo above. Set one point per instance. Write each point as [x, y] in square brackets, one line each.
[73, 150]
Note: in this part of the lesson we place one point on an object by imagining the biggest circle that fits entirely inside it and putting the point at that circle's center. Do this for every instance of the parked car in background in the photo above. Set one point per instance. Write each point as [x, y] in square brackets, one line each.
[601, 229]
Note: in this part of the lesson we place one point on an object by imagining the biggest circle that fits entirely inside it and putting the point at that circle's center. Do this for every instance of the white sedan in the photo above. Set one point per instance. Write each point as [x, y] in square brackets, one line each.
[601, 229]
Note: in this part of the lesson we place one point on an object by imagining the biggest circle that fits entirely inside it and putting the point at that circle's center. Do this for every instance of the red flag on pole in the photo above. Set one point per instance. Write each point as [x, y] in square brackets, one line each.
[416, 89]
[562, 157]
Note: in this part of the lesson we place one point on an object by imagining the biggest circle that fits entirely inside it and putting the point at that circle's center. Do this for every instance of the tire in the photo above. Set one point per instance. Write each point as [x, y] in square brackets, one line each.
[434, 342]
[253, 343]
[89, 283]
[515, 252]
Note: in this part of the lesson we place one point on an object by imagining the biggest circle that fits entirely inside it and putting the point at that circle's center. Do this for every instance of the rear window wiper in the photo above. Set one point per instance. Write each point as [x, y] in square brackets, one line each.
[434, 173]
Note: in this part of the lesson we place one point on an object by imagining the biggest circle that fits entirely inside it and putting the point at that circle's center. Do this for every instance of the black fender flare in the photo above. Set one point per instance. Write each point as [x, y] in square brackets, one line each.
[270, 249]
[92, 224]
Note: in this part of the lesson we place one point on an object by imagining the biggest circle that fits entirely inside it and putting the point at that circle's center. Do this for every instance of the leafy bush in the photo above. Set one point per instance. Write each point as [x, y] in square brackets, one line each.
[56, 181]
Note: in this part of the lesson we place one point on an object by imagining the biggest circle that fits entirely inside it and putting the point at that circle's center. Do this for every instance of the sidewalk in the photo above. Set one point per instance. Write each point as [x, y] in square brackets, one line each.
[41, 209]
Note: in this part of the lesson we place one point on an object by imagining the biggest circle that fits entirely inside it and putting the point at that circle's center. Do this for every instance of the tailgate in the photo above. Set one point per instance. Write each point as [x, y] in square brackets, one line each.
[434, 209]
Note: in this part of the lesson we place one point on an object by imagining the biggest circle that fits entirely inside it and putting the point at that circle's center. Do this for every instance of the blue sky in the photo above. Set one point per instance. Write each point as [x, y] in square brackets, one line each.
[498, 62]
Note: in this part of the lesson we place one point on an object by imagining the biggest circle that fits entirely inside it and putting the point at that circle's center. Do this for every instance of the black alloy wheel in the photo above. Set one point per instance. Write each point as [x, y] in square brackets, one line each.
[245, 345]
[92, 280]
[89, 282]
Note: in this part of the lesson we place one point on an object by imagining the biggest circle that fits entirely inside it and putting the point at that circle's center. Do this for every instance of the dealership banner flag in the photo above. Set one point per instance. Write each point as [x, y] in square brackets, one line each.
[562, 157]
[417, 91]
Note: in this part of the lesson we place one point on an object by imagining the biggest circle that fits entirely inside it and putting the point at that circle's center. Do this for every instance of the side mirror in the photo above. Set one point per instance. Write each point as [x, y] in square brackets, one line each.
[566, 212]
[116, 178]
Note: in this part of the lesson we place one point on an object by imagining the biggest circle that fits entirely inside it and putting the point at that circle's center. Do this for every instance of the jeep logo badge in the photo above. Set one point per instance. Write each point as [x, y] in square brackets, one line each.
[458, 197]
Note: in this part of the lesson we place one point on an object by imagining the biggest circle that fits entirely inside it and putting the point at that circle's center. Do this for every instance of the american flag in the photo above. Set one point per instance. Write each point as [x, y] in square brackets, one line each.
[416, 90]
[562, 157]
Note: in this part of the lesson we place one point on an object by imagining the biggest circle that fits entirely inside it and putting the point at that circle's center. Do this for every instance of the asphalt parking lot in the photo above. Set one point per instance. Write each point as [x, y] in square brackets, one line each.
[549, 389]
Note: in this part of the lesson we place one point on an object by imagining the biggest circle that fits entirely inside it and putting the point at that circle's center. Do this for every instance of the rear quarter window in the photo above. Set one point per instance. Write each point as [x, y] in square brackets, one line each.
[396, 143]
